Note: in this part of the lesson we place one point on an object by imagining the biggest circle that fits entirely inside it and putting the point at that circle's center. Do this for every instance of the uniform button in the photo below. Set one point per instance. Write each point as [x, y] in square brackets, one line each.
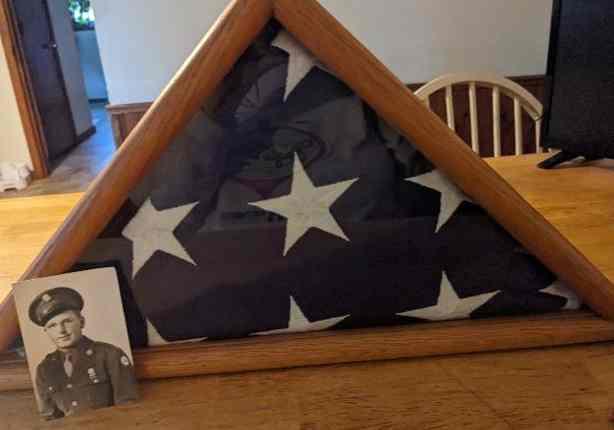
[69, 386]
[75, 404]
[89, 352]
[96, 381]
[50, 388]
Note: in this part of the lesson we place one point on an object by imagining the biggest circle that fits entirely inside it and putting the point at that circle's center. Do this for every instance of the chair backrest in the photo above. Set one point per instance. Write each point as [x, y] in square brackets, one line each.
[523, 100]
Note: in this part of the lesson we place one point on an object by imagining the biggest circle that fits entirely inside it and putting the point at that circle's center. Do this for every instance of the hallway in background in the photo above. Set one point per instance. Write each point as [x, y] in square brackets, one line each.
[74, 171]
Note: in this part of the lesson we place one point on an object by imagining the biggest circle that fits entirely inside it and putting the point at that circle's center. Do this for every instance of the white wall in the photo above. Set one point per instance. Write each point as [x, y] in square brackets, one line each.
[95, 83]
[13, 144]
[70, 64]
[421, 39]
[143, 42]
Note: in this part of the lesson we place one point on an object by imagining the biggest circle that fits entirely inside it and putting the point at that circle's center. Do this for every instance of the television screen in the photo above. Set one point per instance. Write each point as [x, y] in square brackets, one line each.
[579, 103]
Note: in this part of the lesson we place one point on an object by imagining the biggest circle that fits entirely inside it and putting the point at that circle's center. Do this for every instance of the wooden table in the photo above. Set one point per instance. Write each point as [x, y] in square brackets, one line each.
[26, 224]
[579, 201]
[548, 388]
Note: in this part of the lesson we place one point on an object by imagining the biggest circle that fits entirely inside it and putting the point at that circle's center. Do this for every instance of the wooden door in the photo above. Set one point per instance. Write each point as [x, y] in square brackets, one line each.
[43, 62]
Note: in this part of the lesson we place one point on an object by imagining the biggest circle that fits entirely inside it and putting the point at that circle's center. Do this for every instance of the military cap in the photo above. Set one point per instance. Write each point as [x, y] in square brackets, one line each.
[53, 302]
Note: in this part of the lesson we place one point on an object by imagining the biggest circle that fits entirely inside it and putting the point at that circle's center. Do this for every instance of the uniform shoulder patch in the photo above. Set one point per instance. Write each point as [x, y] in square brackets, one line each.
[124, 360]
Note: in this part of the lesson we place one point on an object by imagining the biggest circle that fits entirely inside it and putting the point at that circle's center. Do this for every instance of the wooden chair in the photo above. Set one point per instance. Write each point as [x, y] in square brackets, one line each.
[521, 97]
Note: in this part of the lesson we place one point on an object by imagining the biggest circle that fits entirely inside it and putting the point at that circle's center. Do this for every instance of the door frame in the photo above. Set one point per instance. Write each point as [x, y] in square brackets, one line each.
[24, 93]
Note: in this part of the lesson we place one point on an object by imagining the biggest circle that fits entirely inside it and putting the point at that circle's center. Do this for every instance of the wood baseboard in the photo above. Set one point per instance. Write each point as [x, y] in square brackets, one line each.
[93, 101]
[86, 135]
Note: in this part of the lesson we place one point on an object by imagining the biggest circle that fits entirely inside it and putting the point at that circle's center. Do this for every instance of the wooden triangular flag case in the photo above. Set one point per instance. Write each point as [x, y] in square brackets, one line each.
[331, 238]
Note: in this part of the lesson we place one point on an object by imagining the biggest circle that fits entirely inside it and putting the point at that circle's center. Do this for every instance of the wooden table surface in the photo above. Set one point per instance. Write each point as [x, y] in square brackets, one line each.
[549, 388]
[577, 200]
[26, 224]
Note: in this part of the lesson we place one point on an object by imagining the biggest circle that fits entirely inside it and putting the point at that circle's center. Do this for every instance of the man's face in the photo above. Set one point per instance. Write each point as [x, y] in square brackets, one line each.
[65, 329]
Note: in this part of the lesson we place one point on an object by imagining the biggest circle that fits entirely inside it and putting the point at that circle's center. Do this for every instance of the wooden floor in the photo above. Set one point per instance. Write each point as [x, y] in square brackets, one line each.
[74, 171]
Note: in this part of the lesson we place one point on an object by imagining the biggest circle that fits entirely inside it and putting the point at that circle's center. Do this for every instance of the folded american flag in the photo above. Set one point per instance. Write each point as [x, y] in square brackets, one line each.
[292, 207]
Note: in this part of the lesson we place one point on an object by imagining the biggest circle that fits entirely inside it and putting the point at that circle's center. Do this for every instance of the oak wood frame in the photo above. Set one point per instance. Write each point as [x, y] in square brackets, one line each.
[349, 346]
[325, 37]
[20, 78]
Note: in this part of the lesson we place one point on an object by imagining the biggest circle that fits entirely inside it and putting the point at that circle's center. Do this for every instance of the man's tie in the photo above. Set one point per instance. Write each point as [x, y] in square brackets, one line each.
[68, 364]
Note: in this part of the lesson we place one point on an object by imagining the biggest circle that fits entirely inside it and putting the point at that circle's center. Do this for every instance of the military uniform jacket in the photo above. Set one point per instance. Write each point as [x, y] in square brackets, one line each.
[102, 376]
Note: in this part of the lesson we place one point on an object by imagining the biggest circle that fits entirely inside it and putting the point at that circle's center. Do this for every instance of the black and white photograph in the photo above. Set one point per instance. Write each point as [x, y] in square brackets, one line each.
[77, 345]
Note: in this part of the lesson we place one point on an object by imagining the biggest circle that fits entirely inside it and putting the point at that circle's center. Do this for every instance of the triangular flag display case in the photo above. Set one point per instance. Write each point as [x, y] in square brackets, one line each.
[148, 172]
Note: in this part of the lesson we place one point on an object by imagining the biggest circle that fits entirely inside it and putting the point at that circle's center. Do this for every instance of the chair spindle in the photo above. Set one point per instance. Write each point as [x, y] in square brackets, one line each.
[496, 121]
[473, 115]
[518, 138]
[450, 107]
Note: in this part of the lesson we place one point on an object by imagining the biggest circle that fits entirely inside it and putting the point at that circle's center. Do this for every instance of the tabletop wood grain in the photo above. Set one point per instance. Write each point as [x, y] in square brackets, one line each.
[26, 224]
[577, 199]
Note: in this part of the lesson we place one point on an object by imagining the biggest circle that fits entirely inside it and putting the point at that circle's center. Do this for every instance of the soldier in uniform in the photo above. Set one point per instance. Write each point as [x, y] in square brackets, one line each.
[81, 374]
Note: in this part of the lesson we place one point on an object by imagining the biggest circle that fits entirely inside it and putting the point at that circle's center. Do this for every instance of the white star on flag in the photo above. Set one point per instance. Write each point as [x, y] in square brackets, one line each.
[300, 60]
[298, 322]
[306, 206]
[451, 195]
[151, 230]
[560, 289]
[449, 306]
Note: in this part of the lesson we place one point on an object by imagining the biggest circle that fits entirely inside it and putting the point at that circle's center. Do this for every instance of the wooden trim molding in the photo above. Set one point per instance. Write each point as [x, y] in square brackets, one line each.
[349, 346]
[20, 79]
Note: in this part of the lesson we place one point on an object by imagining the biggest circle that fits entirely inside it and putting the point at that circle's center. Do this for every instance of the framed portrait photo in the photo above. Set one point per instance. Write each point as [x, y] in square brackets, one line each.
[76, 342]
